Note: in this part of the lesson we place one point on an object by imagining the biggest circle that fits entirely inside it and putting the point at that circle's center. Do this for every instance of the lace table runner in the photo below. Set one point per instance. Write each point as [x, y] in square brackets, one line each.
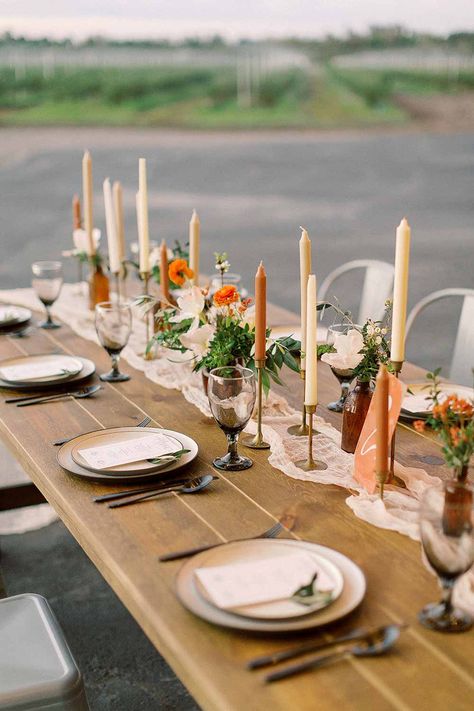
[397, 512]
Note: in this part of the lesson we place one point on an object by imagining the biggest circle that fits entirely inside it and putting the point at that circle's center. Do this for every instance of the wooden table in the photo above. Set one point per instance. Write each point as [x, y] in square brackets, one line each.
[427, 670]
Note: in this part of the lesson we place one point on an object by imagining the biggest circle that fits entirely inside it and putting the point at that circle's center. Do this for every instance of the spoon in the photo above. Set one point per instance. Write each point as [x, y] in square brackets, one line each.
[373, 645]
[35, 399]
[191, 487]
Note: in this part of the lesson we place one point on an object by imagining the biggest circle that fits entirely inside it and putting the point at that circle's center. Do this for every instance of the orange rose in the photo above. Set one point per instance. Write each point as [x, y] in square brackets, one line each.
[227, 295]
[178, 271]
[419, 425]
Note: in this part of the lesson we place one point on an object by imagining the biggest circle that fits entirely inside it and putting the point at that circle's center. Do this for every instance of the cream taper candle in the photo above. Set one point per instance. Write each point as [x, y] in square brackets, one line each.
[311, 380]
[305, 268]
[400, 291]
[144, 239]
[112, 242]
[118, 210]
[194, 246]
[87, 199]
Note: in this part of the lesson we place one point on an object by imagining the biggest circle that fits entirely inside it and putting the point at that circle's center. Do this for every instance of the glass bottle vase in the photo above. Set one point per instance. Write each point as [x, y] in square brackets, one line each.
[354, 414]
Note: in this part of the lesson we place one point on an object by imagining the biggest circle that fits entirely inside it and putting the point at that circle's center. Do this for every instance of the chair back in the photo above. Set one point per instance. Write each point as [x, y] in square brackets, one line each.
[462, 360]
[377, 288]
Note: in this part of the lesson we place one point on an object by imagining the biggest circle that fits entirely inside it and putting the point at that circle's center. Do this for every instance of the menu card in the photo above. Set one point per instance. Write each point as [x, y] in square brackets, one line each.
[364, 456]
[37, 369]
[264, 580]
[130, 450]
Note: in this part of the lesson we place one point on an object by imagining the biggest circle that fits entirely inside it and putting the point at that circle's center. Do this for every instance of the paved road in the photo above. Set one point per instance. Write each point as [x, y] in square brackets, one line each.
[252, 193]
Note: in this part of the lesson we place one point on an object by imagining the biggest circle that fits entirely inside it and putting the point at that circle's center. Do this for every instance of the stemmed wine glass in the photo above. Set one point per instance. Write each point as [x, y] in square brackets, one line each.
[231, 392]
[345, 377]
[446, 526]
[113, 323]
[47, 282]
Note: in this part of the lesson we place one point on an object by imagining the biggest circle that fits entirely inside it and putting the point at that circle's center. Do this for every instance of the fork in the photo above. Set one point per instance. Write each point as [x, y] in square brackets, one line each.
[59, 442]
[272, 532]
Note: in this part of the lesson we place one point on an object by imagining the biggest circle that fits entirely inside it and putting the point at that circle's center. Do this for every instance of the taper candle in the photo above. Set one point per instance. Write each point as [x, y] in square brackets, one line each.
[112, 243]
[138, 207]
[311, 380]
[76, 213]
[194, 246]
[118, 210]
[260, 313]
[400, 291]
[381, 420]
[144, 239]
[305, 268]
[87, 197]
[164, 277]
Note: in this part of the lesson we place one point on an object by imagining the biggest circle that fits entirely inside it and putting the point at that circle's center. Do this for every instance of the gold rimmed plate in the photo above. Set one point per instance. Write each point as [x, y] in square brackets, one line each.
[118, 437]
[288, 608]
[419, 390]
[64, 457]
[352, 594]
[62, 367]
[88, 369]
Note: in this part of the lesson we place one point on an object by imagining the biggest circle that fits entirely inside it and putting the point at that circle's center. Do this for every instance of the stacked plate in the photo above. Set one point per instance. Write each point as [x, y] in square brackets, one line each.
[43, 371]
[12, 317]
[417, 405]
[347, 583]
[75, 458]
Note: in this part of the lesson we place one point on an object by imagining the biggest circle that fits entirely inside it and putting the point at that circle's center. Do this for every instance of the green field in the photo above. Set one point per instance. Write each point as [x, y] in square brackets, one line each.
[207, 98]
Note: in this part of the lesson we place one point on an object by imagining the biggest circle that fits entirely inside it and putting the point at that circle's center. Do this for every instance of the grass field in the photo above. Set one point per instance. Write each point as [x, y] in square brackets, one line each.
[207, 97]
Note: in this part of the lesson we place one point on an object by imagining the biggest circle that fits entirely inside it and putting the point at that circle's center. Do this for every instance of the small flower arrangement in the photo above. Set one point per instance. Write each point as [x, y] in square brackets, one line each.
[218, 331]
[452, 418]
[222, 264]
[361, 350]
[79, 238]
[175, 254]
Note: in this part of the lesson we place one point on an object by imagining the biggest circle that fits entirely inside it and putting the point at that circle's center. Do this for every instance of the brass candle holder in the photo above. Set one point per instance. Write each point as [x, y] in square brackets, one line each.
[302, 429]
[257, 441]
[145, 277]
[311, 464]
[392, 478]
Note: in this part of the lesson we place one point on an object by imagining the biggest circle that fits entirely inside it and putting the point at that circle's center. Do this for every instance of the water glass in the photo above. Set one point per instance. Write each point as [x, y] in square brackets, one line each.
[345, 377]
[231, 392]
[446, 528]
[47, 282]
[113, 323]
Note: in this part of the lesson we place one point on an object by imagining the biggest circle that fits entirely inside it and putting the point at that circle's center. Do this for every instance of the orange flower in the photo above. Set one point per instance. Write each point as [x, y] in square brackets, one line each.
[419, 425]
[179, 271]
[227, 295]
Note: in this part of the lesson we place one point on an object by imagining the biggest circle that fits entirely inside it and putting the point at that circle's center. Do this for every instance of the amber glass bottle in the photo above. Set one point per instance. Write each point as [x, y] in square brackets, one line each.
[98, 287]
[354, 414]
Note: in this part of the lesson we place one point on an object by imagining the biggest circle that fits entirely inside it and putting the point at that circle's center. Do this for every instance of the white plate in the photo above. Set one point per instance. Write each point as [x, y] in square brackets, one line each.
[445, 389]
[116, 436]
[88, 369]
[352, 594]
[61, 362]
[276, 609]
[17, 315]
[65, 459]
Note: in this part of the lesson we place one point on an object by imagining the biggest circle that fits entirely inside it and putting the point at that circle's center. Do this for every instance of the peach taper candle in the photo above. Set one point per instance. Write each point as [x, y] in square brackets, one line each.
[381, 425]
[260, 313]
[76, 213]
[400, 293]
[194, 246]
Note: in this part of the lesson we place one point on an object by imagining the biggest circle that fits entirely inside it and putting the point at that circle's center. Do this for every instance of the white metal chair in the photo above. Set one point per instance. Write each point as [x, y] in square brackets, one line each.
[378, 286]
[462, 359]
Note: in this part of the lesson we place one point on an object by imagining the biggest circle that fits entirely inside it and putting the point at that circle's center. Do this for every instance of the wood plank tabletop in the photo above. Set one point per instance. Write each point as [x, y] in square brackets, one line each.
[427, 670]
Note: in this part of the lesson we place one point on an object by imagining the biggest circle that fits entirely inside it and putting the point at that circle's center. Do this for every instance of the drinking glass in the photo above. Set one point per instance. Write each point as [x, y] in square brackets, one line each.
[345, 377]
[47, 282]
[446, 527]
[231, 392]
[113, 323]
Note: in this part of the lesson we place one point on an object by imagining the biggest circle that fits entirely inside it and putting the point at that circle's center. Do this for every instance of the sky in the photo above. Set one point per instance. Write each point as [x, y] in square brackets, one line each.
[232, 19]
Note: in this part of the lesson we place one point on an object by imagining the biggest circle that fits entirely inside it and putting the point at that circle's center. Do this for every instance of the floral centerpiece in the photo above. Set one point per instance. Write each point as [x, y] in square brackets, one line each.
[452, 418]
[217, 331]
